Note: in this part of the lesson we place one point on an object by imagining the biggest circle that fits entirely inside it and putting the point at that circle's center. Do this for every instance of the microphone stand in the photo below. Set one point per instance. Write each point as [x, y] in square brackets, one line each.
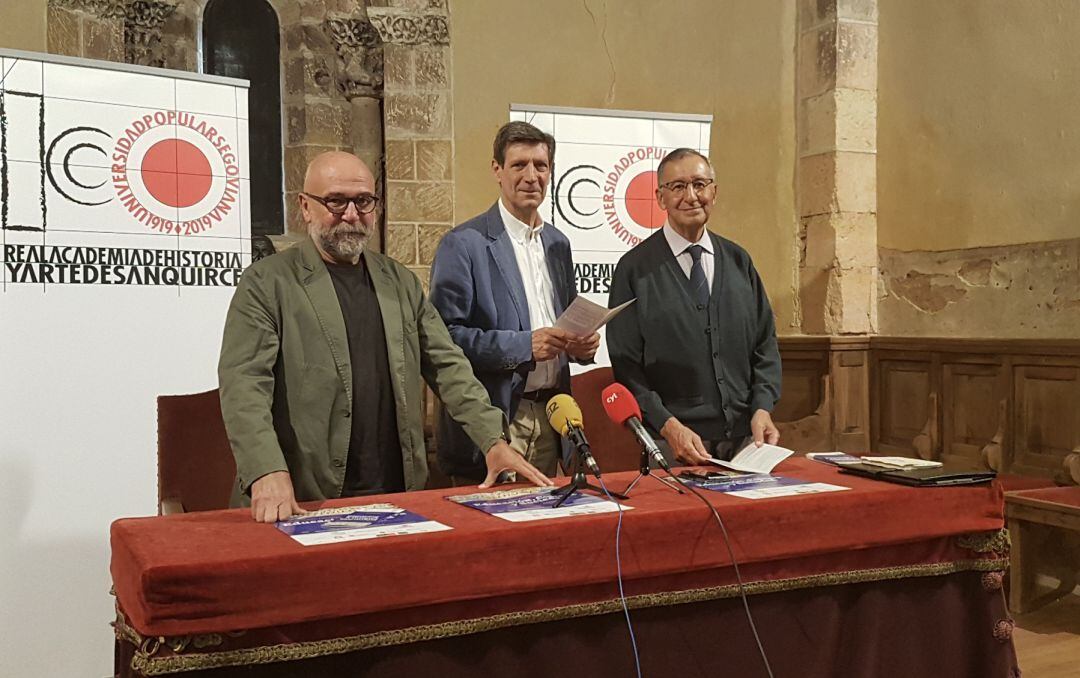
[645, 469]
[579, 482]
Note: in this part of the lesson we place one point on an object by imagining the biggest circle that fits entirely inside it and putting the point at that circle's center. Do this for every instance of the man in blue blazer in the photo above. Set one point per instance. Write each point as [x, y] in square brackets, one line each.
[500, 280]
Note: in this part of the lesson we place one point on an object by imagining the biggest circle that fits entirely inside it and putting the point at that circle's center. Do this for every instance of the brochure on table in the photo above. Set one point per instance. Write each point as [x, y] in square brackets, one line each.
[763, 486]
[833, 458]
[535, 503]
[350, 523]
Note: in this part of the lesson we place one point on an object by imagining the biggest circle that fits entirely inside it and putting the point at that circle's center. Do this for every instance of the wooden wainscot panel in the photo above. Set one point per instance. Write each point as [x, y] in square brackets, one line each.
[825, 404]
[850, 375]
[905, 417]
[803, 372]
[802, 415]
[1046, 416]
[974, 412]
[1010, 404]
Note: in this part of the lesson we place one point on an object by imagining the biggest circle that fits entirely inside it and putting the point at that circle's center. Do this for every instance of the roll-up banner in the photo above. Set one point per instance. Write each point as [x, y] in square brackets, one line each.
[124, 226]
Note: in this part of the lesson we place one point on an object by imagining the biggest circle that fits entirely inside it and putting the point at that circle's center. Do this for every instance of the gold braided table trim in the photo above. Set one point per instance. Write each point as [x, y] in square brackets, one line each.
[145, 663]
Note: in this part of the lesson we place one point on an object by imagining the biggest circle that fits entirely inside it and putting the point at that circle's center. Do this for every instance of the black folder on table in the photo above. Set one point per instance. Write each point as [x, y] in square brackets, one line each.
[920, 477]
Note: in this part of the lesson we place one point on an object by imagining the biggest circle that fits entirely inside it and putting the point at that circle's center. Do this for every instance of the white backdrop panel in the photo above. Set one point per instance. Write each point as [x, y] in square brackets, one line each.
[144, 175]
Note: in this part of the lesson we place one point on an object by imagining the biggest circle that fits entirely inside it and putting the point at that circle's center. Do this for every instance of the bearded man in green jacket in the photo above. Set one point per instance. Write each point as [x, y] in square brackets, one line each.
[323, 351]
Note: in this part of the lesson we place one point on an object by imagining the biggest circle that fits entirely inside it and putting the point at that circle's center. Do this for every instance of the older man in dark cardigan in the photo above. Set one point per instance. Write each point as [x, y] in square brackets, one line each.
[698, 348]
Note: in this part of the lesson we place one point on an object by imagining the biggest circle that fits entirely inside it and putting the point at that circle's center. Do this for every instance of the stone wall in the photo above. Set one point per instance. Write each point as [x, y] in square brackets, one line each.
[1010, 291]
[333, 78]
[978, 182]
[159, 33]
[836, 88]
[23, 26]
[419, 129]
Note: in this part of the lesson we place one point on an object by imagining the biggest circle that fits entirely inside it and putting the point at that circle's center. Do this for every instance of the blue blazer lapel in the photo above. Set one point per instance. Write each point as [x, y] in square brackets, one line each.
[502, 251]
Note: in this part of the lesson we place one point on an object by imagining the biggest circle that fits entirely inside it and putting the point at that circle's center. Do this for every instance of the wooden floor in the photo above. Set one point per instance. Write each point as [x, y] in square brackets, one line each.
[1048, 640]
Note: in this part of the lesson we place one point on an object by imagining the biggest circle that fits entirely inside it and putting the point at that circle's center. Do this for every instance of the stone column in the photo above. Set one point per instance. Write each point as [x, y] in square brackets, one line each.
[93, 29]
[837, 174]
[162, 33]
[418, 126]
[333, 77]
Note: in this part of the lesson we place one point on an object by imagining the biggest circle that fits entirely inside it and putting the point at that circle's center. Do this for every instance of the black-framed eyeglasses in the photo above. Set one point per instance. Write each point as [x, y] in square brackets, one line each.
[679, 187]
[337, 206]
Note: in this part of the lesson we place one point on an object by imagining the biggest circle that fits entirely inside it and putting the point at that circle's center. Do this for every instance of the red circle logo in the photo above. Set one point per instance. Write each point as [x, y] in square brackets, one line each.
[641, 201]
[176, 173]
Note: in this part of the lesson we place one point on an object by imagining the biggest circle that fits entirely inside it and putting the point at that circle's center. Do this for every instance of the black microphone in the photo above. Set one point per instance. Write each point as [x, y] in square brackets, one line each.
[564, 415]
[622, 408]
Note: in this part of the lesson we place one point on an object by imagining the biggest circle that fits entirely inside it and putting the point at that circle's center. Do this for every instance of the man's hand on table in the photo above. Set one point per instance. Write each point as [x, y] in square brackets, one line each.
[684, 443]
[501, 457]
[272, 498]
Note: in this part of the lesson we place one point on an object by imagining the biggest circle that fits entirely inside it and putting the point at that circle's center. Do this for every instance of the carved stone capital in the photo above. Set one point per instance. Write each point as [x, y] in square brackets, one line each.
[404, 27]
[142, 29]
[359, 53]
[103, 9]
[350, 33]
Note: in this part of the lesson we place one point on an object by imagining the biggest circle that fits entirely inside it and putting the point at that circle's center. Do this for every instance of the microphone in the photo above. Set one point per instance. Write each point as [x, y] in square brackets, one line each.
[564, 415]
[622, 408]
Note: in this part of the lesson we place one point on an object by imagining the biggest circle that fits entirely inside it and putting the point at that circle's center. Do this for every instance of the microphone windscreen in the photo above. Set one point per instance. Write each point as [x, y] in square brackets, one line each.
[562, 410]
[619, 403]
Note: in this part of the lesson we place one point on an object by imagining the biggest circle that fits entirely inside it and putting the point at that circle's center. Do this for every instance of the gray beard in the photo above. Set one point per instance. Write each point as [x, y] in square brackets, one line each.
[344, 246]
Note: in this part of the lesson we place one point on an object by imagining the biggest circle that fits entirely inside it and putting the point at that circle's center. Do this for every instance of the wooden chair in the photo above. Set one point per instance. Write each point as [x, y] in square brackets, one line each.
[196, 468]
[613, 446]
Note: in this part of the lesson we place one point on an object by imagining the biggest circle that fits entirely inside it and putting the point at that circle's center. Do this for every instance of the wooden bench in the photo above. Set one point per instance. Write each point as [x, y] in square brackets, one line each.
[1045, 528]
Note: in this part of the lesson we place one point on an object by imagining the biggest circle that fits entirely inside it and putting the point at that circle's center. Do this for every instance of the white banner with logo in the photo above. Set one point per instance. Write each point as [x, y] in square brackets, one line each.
[124, 226]
[602, 192]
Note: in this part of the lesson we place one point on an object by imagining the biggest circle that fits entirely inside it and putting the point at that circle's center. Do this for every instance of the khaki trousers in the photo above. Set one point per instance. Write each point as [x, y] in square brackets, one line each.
[532, 437]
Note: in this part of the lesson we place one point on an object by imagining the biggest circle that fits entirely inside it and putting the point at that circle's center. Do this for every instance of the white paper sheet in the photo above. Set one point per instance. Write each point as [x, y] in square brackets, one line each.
[583, 317]
[754, 459]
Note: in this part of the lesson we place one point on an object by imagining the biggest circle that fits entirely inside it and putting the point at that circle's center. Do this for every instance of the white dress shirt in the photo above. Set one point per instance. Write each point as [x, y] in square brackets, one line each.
[678, 245]
[539, 292]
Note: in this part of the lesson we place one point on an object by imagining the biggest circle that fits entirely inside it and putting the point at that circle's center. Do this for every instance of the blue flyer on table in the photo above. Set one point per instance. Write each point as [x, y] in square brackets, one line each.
[350, 523]
[535, 503]
[763, 486]
[833, 458]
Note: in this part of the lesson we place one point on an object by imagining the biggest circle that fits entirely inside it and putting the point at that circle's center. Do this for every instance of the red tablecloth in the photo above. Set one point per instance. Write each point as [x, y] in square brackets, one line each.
[219, 571]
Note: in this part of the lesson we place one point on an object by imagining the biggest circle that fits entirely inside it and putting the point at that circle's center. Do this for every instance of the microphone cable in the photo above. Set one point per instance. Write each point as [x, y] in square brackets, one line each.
[618, 570]
[734, 563]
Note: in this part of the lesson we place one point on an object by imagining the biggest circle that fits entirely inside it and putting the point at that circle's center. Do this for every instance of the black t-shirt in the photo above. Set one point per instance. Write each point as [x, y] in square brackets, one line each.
[374, 465]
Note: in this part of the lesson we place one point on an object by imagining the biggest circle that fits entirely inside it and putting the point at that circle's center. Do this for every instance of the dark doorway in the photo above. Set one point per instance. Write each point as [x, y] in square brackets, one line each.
[241, 39]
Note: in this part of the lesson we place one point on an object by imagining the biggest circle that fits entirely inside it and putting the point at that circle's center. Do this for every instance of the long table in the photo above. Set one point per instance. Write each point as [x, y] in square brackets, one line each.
[876, 580]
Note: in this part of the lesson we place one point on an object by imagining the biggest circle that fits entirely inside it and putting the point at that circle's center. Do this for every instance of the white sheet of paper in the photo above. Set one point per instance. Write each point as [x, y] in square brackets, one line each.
[583, 317]
[370, 533]
[901, 462]
[563, 511]
[754, 459]
[771, 492]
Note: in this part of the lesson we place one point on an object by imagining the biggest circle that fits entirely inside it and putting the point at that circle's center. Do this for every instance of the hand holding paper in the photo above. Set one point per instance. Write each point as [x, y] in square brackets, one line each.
[583, 317]
[583, 348]
[754, 459]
